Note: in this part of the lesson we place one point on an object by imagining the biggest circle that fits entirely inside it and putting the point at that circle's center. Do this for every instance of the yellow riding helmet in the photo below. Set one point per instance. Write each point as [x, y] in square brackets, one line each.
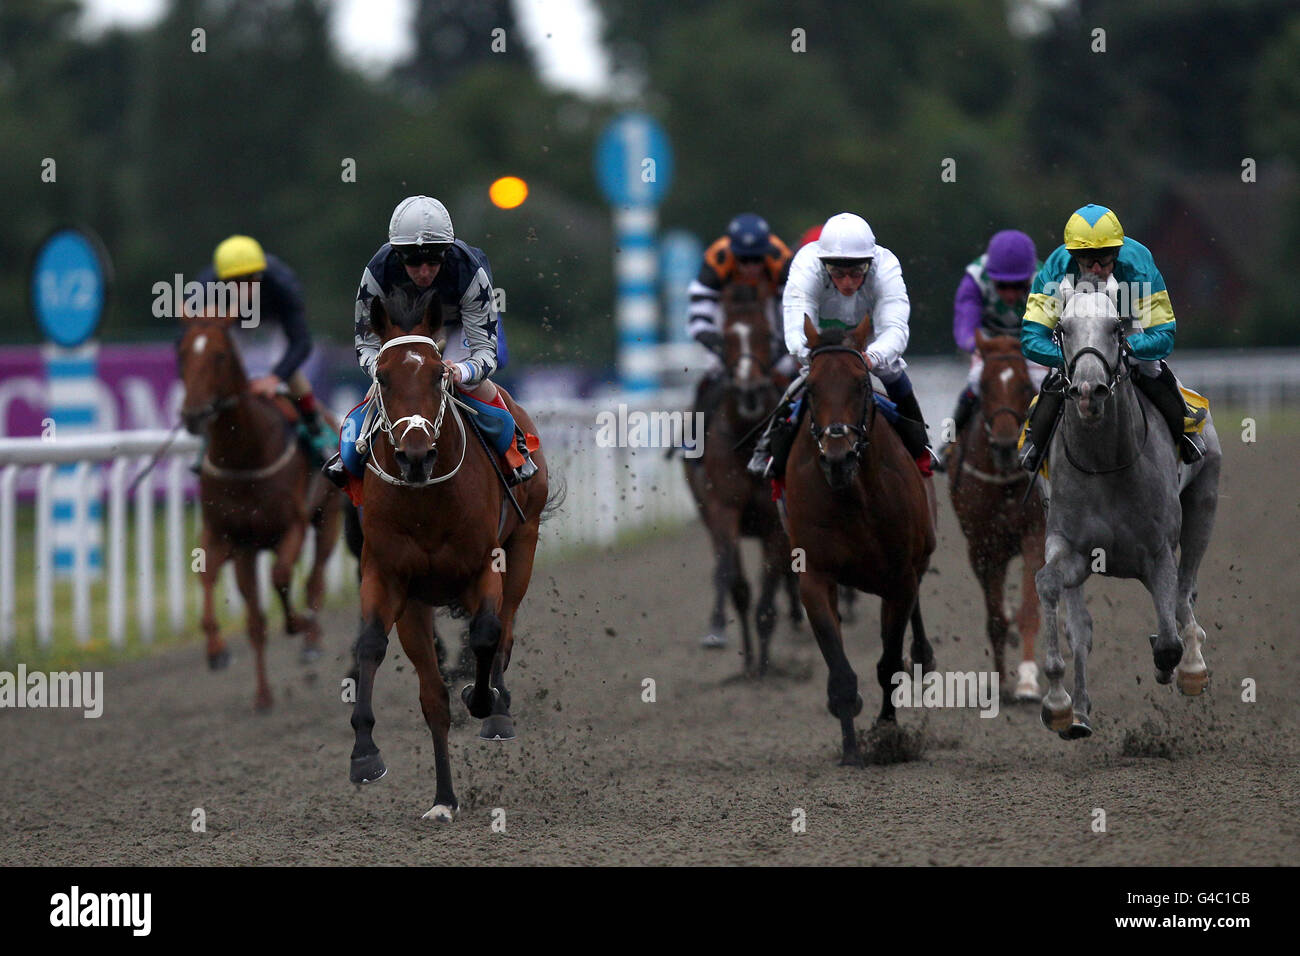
[238, 256]
[1093, 227]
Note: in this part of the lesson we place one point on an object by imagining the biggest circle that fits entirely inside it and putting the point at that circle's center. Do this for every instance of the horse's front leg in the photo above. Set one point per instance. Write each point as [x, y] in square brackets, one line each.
[1166, 645]
[378, 612]
[286, 556]
[415, 631]
[776, 557]
[483, 601]
[215, 552]
[246, 578]
[992, 574]
[817, 592]
[724, 530]
[1079, 631]
[1063, 568]
[1029, 619]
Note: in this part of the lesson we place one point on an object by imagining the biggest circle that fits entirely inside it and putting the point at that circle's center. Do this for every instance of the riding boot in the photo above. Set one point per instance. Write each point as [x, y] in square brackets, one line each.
[961, 417]
[196, 466]
[529, 468]
[911, 427]
[1051, 399]
[1168, 399]
[773, 448]
[335, 472]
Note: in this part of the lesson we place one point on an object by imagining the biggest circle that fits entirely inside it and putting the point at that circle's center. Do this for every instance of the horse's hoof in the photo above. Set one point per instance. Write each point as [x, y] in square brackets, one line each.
[467, 695]
[1079, 729]
[1164, 677]
[441, 814]
[714, 641]
[1191, 685]
[219, 661]
[853, 759]
[497, 727]
[367, 769]
[310, 655]
[262, 704]
[1055, 716]
[1166, 658]
[857, 707]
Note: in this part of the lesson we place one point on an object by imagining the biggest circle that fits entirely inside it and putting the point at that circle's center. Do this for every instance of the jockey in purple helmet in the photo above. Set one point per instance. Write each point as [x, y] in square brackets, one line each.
[991, 296]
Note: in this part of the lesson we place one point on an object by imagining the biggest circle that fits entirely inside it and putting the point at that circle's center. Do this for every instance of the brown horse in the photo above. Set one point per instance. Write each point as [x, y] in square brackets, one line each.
[732, 502]
[858, 515]
[257, 491]
[988, 494]
[438, 531]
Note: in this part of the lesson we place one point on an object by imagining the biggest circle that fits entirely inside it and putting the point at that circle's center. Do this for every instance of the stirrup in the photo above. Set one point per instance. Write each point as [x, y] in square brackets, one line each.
[523, 472]
[1028, 454]
[759, 463]
[1191, 447]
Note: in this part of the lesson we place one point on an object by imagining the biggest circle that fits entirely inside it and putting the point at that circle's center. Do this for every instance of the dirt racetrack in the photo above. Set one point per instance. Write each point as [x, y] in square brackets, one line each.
[710, 772]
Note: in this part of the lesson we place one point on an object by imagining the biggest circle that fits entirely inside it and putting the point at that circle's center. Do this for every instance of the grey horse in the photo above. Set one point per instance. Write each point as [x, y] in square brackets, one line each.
[1121, 504]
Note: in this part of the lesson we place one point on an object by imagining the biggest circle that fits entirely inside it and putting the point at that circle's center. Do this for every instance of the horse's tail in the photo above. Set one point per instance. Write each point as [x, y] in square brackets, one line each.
[559, 491]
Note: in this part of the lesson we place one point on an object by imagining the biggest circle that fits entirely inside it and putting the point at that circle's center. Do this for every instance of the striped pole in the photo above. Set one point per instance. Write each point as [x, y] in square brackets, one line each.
[76, 520]
[636, 268]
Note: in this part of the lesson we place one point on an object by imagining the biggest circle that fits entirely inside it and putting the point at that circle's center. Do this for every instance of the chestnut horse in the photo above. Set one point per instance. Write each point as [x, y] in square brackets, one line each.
[988, 494]
[732, 502]
[858, 515]
[439, 531]
[257, 491]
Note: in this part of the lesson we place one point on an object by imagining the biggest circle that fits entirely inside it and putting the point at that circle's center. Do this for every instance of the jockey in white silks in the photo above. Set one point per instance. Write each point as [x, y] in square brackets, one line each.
[837, 281]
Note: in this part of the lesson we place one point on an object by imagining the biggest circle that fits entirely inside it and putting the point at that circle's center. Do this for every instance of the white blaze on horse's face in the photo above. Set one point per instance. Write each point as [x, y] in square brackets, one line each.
[1007, 375]
[1090, 325]
[416, 357]
[200, 344]
[745, 367]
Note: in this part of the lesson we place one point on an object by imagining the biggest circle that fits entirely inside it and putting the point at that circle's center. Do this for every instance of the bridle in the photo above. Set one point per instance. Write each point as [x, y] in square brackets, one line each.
[432, 429]
[862, 430]
[1113, 377]
[990, 416]
[1114, 374]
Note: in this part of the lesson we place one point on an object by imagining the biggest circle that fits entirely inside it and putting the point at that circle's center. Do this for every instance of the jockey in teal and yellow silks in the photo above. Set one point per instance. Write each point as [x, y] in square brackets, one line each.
[1096, 248]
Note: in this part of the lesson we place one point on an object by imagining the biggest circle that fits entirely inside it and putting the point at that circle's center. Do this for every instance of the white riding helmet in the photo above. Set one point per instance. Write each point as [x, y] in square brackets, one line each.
[418, 221]
[846, 236]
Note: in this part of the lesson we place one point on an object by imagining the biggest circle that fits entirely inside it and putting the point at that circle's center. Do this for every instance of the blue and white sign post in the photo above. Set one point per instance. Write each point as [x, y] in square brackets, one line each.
[634, 165]
[69, 288]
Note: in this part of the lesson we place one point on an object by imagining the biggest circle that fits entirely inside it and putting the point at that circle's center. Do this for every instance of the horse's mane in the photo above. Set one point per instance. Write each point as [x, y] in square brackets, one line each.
[834, 336]
[406, 306]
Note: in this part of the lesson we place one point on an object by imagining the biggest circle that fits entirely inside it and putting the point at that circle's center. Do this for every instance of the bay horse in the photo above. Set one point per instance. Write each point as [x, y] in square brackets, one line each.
[859, 514]
[732, 502]
[988, 493]
[257, 491]
[1120, 504]
[438, 531]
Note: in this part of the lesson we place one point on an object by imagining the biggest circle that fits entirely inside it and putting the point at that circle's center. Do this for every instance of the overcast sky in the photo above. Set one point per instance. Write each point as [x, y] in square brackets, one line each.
[564, 33]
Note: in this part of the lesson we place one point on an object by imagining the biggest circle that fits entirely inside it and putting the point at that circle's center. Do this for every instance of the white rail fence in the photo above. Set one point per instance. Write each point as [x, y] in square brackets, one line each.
[611, 491]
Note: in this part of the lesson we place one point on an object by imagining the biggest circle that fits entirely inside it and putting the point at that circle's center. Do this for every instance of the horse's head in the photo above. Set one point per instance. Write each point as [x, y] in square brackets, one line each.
[410, 376]
[210, 369]
[1091, 336]
[747, 354]
[1005, 393]
[838, 392]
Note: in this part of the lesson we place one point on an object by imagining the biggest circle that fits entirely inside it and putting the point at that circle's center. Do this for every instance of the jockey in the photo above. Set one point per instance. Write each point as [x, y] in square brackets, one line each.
[279, 296]
[991, 297]
[748, 255]
[422, 250]
[1095, 248]
[837, 281]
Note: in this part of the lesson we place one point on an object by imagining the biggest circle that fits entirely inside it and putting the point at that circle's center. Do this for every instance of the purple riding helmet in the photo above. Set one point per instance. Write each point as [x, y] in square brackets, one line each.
[1011, 257]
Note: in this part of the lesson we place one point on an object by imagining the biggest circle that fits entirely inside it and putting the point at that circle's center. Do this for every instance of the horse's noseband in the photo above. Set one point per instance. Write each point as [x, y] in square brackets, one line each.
[1114, 374]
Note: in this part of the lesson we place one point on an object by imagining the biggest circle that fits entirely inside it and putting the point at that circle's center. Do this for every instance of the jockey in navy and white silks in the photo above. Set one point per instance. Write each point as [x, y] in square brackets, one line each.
[422, 251]
[836, 282]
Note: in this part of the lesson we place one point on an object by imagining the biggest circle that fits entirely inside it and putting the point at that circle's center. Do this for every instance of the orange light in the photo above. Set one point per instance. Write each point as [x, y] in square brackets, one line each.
[508, 192]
